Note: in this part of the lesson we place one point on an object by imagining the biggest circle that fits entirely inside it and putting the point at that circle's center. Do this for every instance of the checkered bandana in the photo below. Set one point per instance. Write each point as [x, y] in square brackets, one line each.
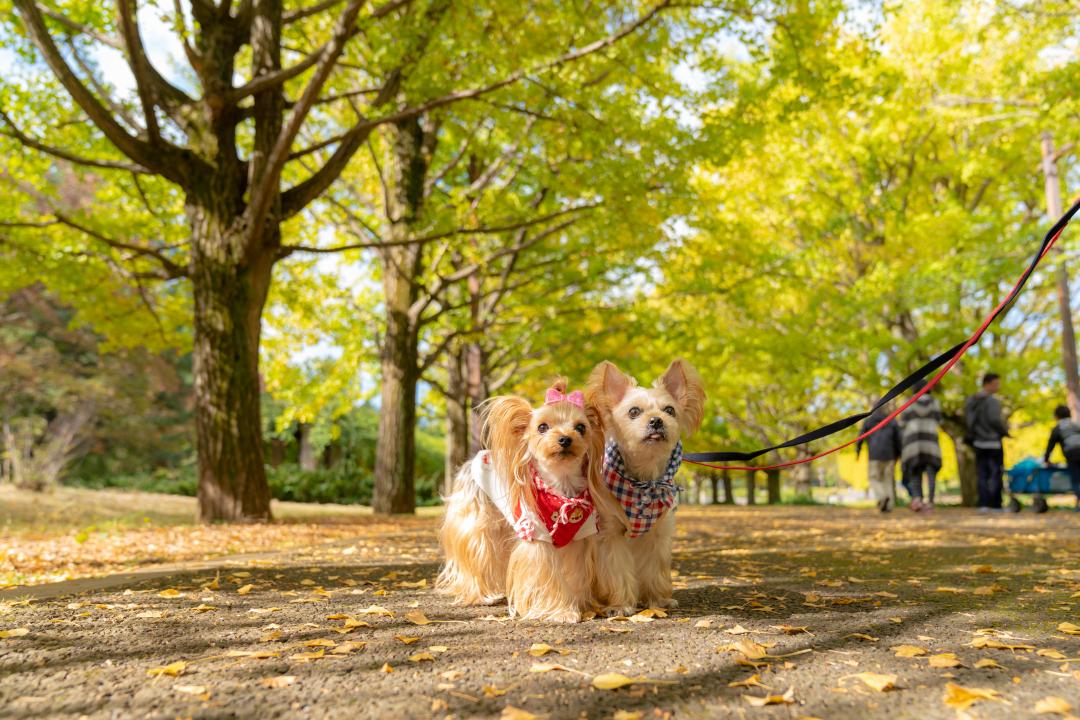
[643, 502]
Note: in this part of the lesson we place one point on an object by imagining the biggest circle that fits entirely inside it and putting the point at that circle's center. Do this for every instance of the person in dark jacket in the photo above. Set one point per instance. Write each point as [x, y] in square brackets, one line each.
[884, 448]
[986, 428]
[919, 426]
[1066, 433]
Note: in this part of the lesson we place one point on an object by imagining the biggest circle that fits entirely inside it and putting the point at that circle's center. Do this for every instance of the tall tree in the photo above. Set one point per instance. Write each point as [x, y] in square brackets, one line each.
[226, 140]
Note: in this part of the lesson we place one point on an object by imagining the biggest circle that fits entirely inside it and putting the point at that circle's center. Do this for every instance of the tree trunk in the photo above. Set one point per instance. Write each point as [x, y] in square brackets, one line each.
[277, 452]
[965, 464]
[714, 482]
[729, 492]
[308, 459]
[395, 451]
[476, 385]
[773, 479]
[801, 473]
[751, 487]
[457, 418]
[1064, 298]
[230, 285]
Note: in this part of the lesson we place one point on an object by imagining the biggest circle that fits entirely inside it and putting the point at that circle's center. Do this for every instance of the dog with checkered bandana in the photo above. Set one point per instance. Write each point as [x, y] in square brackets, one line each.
[635, 493]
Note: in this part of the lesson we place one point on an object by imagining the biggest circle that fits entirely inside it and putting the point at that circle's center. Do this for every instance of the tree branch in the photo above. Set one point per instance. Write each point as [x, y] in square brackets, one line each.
[301, 13]
[174, 166]
[30, 142]
[273, 79]
[138, 63]
[268, 186]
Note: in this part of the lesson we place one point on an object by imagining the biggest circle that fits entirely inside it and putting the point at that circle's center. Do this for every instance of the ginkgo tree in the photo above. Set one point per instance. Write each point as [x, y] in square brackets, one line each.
[231, 136]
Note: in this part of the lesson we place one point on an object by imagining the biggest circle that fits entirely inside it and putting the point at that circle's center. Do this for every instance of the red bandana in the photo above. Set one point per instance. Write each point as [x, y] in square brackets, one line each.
[562, 516]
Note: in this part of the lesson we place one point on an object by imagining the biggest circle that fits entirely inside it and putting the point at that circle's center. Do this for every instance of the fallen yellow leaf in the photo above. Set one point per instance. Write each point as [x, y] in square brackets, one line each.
[321, 642]
[245, 589]
[1068, 628]
[962, 698]
[513, 713]
[408, 639]
[198, 690]
[14, 633]
[548, 667]
[348, 647]
[540, 649]
[422, 657]
[417, 618]
[1051, 653]
[877, 681]
[376, 610]
[786, 699]
[988, 663]
[170, 593]
[945, 660]
[278, 681]
[752, 681]
[1053, 706]
[308, 656]
[908, 651]
[175, 669]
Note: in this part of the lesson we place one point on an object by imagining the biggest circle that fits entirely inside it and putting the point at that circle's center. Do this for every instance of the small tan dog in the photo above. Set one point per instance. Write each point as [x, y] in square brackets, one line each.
[520, 520]
[635, 494]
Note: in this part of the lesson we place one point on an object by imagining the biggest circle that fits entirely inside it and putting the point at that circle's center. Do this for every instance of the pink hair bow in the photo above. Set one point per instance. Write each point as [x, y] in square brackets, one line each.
[574, 398]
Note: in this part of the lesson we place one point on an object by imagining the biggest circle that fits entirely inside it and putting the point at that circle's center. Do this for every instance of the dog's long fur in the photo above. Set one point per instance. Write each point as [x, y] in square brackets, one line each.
[636, 572]
[485, 561]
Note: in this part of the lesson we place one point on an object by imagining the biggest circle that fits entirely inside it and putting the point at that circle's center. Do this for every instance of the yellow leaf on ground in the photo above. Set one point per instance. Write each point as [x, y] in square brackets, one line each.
[548, 667]
[451, 674]
[627, 715]
[245, 589]
[750, 649]
[611, 681]
[1051, 653]
[278, 681]
[422, 657]
[984, 641]
[417, 618]
[513, 713]
[386, 668]
[541, 649]
[737, 630]
[945, 660]
[908, 651]
[170, 593]
[792, 629]
[199, 691]
[962, 698]
[348, 647]
[1053, 705]
[752, 681]
[308, 656]
[201, 608]
[702, 624]
[988, 663]
[321, 642]
[254, 654]
[14, 633]
[861, 636]
[175, 669]
[877, 681]
[408, 639]
[352, 623]
[376, 610]
[1068, 628]
[786, 699]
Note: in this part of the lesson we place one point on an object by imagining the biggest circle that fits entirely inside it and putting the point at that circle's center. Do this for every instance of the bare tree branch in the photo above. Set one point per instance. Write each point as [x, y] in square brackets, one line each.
[274, 79]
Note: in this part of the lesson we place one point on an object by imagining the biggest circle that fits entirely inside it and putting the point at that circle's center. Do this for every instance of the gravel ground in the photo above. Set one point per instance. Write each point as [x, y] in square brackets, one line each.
[823, 593]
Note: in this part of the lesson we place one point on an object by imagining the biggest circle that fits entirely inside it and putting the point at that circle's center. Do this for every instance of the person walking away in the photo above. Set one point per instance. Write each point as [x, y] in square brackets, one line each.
[985, 430]
[921, 454]
[883, 448]
[1066, 433]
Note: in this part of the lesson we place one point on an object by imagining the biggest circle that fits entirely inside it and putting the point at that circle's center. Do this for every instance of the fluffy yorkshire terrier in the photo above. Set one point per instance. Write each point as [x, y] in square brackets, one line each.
[635, 493]
[520, 519]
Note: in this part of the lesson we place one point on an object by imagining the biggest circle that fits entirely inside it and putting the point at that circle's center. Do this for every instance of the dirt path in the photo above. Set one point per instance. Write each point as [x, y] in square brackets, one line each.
[859, 584]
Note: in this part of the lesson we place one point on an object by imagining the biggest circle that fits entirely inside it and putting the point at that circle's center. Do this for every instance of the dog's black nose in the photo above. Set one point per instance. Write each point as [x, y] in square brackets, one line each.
[656, 423]
[564, 441]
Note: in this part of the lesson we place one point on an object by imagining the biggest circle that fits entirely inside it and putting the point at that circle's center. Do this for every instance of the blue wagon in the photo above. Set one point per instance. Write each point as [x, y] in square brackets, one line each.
[1030, 476]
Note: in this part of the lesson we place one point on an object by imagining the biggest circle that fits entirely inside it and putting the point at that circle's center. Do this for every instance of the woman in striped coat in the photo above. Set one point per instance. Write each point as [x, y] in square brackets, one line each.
[921, 454]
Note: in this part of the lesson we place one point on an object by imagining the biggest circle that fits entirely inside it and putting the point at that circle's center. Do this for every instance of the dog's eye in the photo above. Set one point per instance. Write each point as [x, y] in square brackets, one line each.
[580, 427]
[670, 411]
[542, 428]
[634, 412]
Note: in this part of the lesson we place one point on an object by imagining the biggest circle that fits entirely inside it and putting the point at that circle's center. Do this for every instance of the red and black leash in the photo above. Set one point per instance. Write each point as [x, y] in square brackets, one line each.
[939, 366]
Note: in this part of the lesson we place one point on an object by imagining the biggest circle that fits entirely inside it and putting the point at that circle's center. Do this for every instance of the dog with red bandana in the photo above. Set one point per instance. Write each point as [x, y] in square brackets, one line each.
[520, 521]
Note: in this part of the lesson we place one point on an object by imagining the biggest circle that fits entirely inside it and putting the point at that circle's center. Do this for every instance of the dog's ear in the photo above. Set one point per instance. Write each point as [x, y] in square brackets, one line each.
[682, 381]
[606, 386]
[505, 420]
